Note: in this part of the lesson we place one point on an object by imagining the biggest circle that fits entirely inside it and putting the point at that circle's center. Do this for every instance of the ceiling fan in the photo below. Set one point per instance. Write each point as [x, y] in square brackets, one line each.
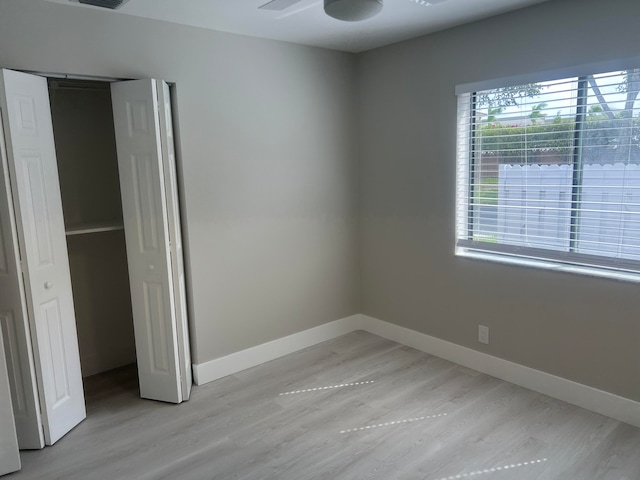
[110, 4]
[346, 10]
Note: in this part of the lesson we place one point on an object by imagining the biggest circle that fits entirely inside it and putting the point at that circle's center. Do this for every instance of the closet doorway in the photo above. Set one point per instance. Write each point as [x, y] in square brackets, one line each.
[87, 162]
[91, 260]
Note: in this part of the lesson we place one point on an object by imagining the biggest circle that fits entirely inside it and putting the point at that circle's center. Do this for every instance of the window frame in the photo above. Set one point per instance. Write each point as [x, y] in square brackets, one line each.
[549, 259]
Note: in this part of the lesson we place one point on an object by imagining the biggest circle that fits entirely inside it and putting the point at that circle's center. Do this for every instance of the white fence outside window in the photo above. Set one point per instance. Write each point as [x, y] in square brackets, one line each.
[534, 208]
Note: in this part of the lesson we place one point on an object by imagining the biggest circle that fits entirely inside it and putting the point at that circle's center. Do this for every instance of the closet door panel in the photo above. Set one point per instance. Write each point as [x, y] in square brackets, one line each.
[14, 325]
[144, 206]
[175, 237]
[43, 248]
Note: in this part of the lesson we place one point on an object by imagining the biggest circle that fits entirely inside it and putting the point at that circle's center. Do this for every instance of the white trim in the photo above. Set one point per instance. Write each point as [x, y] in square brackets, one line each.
[548, 75]
[599, 401]
[251, 357]
[463, 142]
[533, 262]
[71, 76]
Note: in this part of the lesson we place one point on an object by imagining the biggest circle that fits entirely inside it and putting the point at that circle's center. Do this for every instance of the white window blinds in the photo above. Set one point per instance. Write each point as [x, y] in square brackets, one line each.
[551, 171]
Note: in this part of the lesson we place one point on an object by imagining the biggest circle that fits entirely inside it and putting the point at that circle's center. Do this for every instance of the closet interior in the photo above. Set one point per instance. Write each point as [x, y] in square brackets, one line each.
[85, 144]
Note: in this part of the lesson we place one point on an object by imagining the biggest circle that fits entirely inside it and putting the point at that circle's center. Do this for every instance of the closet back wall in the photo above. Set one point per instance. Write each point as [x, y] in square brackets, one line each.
[268, 164]
[88, 171]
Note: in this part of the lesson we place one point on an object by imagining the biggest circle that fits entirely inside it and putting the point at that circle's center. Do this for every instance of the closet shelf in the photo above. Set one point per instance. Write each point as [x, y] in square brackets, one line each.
[95, 228]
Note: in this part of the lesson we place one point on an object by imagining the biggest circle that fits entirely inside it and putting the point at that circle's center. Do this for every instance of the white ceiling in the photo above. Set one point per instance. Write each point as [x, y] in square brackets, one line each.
[306, 22]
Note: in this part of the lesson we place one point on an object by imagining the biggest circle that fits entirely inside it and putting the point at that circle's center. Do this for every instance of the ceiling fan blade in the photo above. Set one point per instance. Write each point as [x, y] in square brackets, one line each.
[278, 5]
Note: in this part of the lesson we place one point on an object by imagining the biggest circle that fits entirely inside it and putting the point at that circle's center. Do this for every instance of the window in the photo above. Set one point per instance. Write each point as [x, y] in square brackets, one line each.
[549, 173]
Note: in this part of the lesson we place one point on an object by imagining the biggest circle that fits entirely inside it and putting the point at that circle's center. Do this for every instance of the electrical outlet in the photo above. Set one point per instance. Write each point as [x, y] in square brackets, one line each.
[483, 334]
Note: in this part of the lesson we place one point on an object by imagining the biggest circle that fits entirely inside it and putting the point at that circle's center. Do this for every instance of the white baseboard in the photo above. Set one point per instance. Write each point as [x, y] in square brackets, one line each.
[236, 362]
[598, 401]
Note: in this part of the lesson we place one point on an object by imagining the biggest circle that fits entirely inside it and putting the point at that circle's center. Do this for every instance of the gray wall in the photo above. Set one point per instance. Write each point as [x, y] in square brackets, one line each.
[268, 161]
[581, 328]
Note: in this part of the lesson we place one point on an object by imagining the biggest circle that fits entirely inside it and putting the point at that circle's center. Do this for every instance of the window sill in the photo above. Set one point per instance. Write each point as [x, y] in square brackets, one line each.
[549, 265]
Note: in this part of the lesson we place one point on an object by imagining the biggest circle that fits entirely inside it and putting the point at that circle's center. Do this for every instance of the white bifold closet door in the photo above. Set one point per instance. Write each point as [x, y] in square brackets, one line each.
[37, 316]
[32, 197]
[175, 236]
[144, 138]
[13, 315]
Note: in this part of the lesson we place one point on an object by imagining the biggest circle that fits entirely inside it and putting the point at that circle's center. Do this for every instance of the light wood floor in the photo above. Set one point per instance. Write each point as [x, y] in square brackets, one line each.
[419, 417]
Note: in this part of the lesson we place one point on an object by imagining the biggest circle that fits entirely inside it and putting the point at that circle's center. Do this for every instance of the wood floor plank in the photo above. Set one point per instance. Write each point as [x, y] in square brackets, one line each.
[427, 419]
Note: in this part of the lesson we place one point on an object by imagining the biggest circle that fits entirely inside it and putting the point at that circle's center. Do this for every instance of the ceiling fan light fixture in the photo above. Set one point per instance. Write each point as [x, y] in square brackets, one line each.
[352, 10]
[428, 3]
